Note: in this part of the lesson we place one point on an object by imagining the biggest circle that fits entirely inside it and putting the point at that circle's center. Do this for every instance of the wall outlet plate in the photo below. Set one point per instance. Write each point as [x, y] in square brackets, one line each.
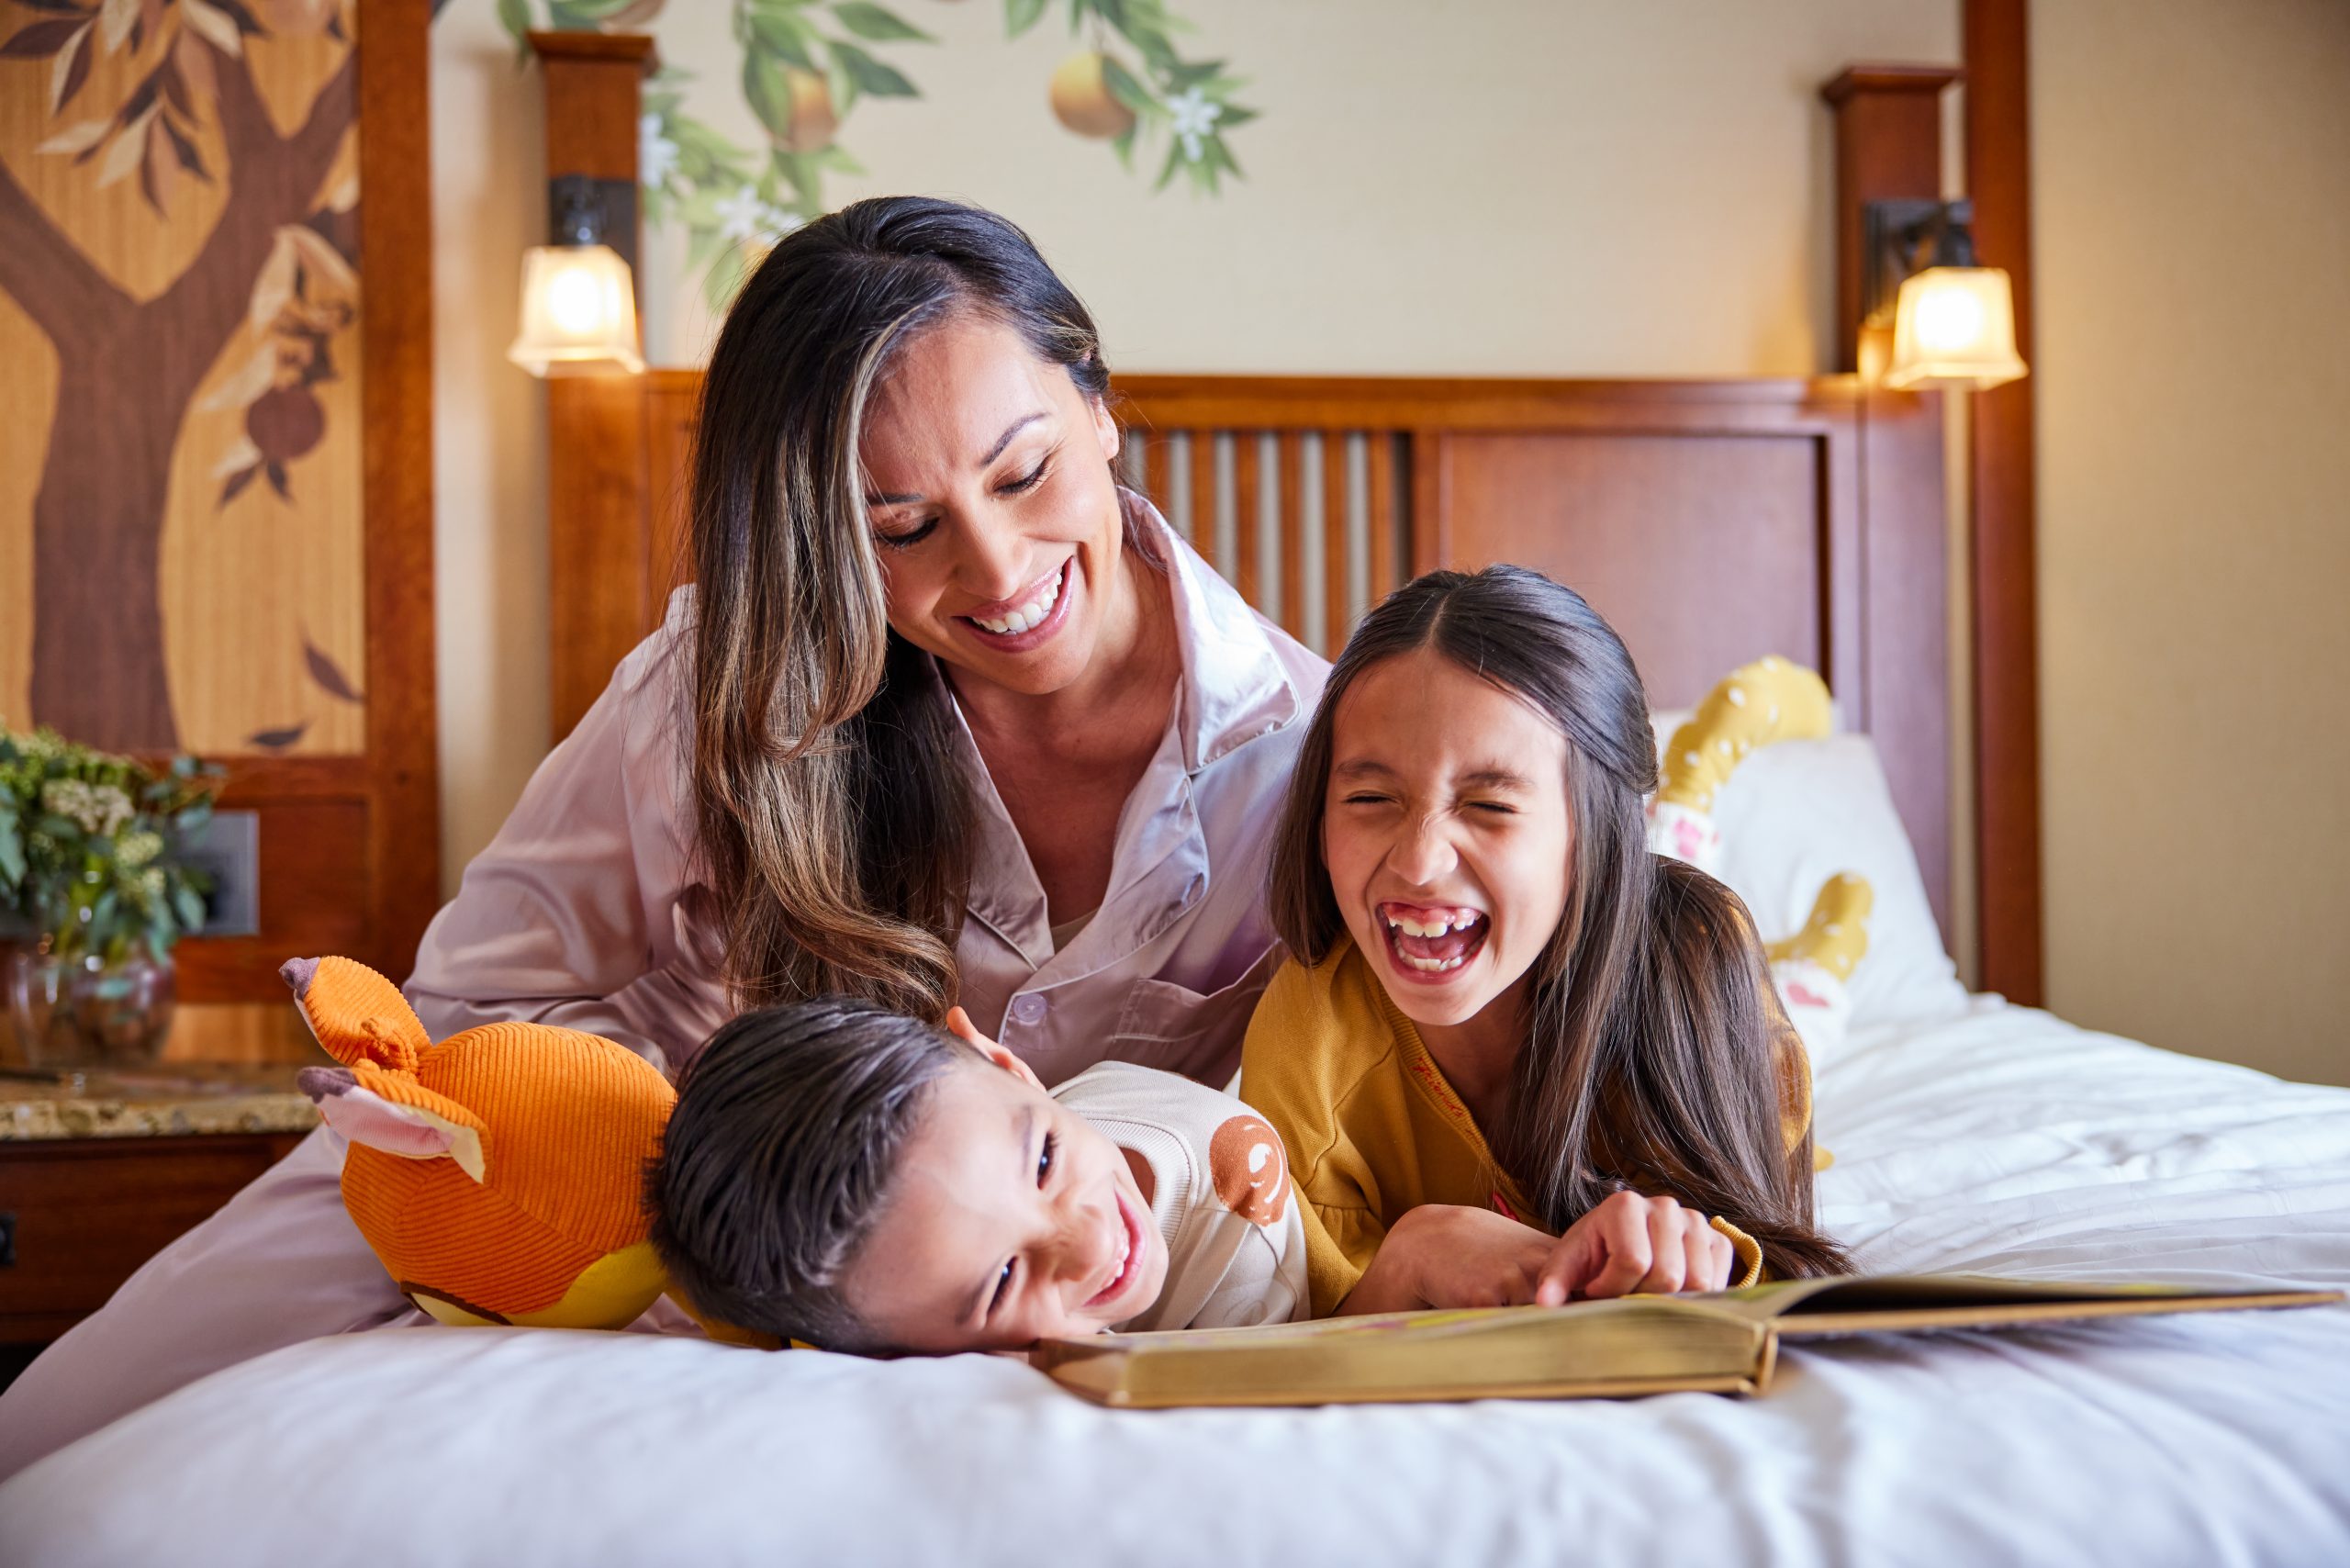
[228, 849]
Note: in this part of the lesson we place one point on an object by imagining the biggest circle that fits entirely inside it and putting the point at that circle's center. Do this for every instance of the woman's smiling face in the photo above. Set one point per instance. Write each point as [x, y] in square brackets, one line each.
[1445, 833]
[993, 510]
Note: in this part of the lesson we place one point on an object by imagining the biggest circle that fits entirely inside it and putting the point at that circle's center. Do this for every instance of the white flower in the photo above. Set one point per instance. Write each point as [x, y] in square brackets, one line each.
[657, 155]
[1194, 116]
[100, 810]
[744, 216]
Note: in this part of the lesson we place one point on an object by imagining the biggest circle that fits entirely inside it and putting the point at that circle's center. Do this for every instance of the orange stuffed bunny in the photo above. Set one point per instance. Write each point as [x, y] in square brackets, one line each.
[500, 1175]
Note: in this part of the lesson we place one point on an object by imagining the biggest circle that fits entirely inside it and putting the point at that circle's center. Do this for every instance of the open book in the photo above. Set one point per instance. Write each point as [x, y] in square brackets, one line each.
[1724, 1343]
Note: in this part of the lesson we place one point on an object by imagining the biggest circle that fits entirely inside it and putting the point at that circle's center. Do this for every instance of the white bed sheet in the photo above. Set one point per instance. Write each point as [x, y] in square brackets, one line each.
[2001, 1140]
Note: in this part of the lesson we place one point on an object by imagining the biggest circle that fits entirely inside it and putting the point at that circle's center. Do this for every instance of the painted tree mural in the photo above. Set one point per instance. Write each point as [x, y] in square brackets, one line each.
[232, 274]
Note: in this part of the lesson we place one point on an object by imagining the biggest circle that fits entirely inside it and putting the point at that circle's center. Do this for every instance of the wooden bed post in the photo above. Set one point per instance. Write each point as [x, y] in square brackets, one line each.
[601, 577]
[1889, 147]
[2005, 582]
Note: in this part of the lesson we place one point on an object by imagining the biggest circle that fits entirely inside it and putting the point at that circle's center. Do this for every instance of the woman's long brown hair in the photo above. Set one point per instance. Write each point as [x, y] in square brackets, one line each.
[833, 821]
[1653, 1038]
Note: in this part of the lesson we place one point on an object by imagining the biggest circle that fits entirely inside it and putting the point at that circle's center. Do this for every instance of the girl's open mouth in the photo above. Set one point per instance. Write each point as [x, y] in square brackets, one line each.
[1129, 1262]
[1017, 625]
[1430, 943]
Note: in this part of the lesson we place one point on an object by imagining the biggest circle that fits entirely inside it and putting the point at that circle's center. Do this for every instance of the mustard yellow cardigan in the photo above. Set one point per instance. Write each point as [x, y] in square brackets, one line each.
[1373, 1129]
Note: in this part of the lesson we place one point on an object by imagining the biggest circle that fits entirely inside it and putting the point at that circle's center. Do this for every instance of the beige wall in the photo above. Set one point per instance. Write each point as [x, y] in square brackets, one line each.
[2191, 161]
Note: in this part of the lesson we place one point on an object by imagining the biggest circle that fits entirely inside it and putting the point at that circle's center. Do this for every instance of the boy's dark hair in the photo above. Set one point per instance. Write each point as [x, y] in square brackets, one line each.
[780, 1153]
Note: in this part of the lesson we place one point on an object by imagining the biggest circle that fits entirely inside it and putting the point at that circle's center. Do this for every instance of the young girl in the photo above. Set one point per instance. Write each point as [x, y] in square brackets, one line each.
[1511, 1044]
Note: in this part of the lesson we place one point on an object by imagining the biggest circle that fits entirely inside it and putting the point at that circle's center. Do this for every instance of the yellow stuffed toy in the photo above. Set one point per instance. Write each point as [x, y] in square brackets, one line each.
[498, 1175]
[1756, 705]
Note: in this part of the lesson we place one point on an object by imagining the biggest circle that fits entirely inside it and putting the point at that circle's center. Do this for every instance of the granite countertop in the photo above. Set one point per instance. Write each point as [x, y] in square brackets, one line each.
[166, 1100]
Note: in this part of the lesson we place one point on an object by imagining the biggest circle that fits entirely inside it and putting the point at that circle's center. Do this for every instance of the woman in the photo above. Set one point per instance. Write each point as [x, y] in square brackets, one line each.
[947, 718]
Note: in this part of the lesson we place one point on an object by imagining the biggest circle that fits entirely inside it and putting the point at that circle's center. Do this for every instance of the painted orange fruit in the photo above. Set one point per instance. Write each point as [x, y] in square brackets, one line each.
[1082, 100]
[814, 120]
[284, 423]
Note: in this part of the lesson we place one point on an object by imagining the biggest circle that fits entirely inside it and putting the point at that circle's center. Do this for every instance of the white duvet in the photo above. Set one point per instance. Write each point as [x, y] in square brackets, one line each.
[2003, 1141]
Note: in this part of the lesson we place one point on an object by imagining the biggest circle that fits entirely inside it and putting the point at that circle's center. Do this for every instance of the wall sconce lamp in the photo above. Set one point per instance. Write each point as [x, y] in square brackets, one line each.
[1954, 322]
[578, 296]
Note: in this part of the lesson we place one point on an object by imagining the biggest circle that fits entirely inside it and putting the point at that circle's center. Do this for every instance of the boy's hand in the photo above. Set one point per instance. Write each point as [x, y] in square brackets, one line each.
[959, 1024]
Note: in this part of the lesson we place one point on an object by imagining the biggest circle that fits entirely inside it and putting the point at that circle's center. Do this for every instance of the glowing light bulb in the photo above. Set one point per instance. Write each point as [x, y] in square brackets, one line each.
[1949, 321]
[577, 302]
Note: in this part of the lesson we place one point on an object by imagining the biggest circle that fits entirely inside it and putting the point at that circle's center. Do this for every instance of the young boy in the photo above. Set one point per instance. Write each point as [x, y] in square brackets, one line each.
[854, 1179]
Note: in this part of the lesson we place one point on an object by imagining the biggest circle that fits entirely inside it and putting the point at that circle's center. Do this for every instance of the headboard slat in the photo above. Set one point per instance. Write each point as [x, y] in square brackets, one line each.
[1247, 501]
[1338, 543]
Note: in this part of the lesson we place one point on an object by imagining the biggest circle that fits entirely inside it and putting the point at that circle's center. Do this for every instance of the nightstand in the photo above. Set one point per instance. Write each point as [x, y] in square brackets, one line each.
[100, 1169]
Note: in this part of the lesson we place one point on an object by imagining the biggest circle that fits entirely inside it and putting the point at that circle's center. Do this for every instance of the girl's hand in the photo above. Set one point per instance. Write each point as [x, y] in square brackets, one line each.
[1443, 1255]
[1633, 1243]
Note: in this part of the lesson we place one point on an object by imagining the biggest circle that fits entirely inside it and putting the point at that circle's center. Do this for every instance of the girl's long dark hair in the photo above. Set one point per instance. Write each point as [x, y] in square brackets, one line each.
[1654, 1041]
[832, 822]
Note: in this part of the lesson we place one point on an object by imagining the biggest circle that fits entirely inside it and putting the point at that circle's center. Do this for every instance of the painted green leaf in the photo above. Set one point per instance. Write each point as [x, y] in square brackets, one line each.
[1233, 115]
[1124, 87]
[515, 15]
[873, 76]
[723, 278]
[1019, 16]
[872, 23]
[801, 170]
[783, 34]
[766, 91]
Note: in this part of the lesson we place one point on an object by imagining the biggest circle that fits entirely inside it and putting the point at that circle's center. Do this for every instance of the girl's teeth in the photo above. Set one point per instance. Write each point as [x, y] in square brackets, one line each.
[1439, 927]
[1029, 614]
[1432, 966]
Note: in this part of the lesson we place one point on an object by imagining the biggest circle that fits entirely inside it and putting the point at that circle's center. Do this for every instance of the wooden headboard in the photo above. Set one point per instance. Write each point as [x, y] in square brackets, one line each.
[1711, 521]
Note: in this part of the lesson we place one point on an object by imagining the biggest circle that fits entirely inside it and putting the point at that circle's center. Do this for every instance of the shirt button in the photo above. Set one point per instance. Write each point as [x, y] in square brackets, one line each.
[1028, 1009]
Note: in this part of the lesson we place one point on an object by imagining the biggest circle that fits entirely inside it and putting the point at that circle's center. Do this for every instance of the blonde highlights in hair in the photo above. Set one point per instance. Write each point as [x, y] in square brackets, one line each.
[833, 823]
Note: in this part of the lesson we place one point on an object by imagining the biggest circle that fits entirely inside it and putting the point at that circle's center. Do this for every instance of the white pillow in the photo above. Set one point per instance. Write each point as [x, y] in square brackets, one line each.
[1799, 812]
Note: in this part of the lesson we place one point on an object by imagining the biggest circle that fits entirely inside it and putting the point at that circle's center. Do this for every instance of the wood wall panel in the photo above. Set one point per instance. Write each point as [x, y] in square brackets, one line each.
[1652, 529]
[318, 156]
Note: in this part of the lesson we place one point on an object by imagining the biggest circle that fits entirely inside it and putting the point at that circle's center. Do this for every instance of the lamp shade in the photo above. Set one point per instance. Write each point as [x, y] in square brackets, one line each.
[579, 313]
[1954, 327]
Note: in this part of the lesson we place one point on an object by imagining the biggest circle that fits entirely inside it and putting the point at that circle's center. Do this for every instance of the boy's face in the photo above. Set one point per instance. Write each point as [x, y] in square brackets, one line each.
[1445, 833]
[1009, 1220]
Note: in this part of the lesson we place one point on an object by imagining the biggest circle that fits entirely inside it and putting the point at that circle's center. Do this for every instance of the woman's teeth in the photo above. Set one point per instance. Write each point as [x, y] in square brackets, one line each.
[1029, 614]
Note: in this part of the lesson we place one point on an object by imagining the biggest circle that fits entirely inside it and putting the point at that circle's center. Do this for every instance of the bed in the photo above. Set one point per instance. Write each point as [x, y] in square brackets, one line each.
[1713, 520]
[1994, 1137]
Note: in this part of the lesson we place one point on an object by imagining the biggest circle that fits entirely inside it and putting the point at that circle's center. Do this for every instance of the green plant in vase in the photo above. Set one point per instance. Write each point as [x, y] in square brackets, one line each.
[94, 883]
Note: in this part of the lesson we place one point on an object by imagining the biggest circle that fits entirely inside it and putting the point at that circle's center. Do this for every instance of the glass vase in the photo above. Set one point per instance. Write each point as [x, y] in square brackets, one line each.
[87, 1011]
